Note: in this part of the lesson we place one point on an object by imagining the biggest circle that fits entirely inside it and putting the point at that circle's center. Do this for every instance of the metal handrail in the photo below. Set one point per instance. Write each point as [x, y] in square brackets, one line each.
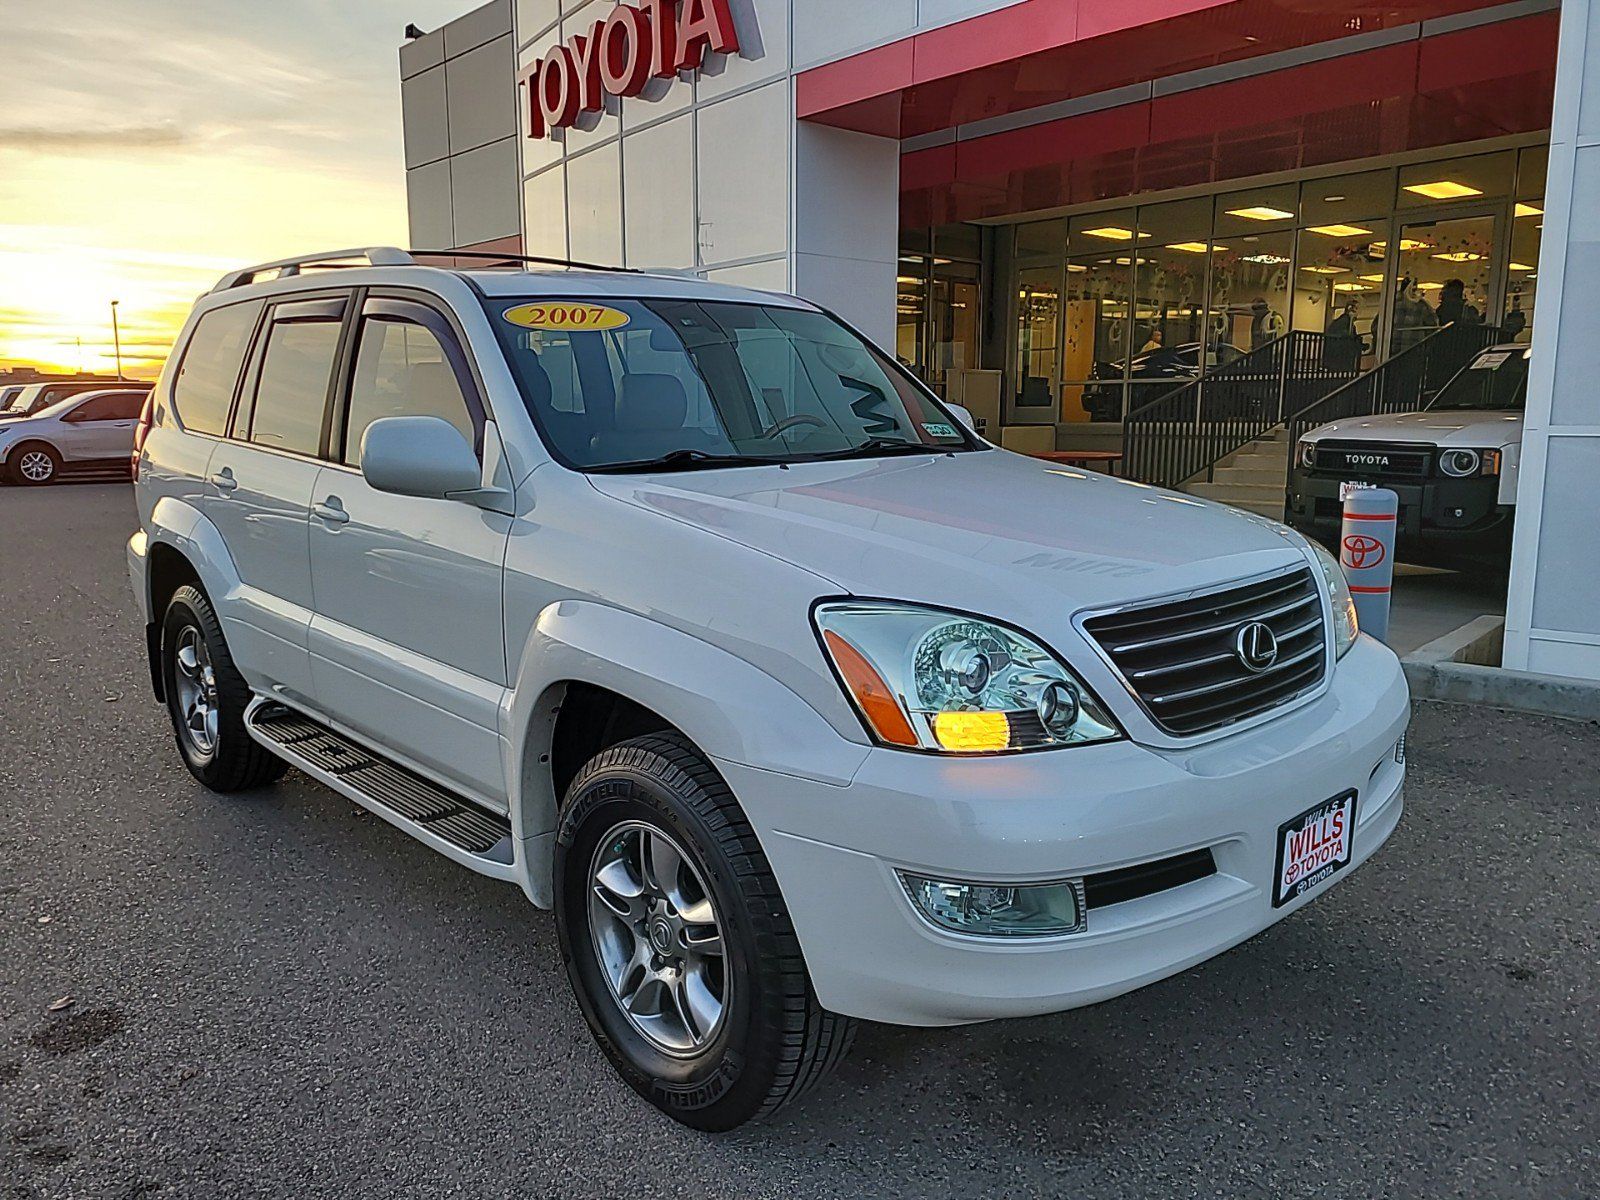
[1187, 430]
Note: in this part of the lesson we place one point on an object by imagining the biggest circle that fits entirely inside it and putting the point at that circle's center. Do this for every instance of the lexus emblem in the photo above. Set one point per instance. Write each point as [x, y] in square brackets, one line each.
[1256, 646]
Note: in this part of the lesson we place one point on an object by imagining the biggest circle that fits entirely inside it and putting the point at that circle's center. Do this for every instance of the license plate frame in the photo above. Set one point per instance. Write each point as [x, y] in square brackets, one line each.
[1331, 849]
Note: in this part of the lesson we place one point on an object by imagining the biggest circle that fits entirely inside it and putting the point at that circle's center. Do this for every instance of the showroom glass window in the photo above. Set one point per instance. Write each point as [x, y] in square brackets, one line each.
[1341, 280]
[1097, 328]
[1172, 339]
[1040, 257]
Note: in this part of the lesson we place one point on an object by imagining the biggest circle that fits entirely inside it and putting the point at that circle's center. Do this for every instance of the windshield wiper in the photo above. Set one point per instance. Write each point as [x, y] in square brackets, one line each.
[687, 460]
[882, 447]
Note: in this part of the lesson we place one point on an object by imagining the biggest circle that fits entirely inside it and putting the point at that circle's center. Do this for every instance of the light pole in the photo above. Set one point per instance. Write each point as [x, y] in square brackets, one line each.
[116, 337]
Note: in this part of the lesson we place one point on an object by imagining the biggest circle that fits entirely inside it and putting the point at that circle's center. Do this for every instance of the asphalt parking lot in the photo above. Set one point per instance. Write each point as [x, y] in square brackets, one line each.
[280, 996]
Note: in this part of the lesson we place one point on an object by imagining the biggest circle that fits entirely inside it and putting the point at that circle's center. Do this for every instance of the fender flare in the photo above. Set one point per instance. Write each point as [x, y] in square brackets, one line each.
[729, 708]
[179, 525]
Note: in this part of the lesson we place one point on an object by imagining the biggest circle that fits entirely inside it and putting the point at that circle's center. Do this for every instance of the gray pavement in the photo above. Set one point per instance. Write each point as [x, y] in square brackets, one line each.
[280, 996]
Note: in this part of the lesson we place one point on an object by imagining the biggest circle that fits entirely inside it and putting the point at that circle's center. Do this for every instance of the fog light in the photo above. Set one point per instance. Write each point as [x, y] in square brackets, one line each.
[999, 909]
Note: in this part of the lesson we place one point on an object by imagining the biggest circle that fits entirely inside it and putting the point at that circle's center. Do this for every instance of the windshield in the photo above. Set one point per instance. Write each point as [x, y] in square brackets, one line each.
[624, 384]
[1496, 379]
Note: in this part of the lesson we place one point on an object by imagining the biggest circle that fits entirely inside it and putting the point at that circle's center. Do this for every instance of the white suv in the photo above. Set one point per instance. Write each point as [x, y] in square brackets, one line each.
[688, 611]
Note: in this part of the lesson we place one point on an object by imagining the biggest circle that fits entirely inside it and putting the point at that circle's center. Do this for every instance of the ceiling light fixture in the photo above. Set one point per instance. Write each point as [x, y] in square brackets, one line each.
[1260, 212]
[1195, 247]
[1459, 256]
[1338, 230]
[1527, 210]
[1113, 233]
[1444, 189]
[1326, 270]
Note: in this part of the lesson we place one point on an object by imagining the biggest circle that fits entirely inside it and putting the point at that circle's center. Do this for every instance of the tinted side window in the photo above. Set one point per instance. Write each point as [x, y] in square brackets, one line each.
[119, 406]
[292, 393]
[203, 391]
[402, 371]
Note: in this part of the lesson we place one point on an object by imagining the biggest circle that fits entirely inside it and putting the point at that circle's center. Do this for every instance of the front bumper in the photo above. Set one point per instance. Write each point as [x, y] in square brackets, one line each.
[836, 851]
[1444, 521]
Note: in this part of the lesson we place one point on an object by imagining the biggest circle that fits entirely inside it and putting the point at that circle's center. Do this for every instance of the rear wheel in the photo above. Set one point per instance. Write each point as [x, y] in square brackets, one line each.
[207, 697]
[677, 941]
[34, 463]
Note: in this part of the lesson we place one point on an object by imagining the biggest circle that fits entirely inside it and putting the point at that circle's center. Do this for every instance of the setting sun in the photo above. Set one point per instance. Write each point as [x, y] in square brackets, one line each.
[226, 141]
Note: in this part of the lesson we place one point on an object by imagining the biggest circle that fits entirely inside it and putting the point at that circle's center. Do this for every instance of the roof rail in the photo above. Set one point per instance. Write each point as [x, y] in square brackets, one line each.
[377, 256]
[492, 256]
[392, 256]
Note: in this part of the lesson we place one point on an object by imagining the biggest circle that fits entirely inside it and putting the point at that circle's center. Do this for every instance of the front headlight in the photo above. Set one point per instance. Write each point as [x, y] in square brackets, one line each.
[1307, 453]
[1345, 625]
[925, 679]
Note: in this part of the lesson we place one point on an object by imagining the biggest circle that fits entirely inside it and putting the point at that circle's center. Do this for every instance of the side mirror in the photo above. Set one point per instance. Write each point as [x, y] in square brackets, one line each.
[964, 416]
[419, 456]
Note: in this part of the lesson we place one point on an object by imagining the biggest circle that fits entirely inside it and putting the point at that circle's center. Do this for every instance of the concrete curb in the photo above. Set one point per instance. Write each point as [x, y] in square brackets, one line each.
[1462, 667]
[1465, 683]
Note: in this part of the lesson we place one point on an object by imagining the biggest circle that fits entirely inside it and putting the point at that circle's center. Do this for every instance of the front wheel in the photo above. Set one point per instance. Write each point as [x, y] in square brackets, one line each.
[34, 463]
[678, 944]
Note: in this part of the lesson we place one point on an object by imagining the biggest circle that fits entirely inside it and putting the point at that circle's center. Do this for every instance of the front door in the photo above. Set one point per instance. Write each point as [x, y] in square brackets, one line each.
[406, 642]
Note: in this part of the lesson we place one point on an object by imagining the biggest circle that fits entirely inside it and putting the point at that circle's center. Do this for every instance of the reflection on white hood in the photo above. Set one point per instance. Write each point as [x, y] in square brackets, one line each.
[1478, 428]
[989, 532]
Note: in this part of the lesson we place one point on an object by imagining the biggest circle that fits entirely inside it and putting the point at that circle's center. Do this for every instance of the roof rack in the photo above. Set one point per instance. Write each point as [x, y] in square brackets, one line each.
[377, 256]
[391, 256]
[493, 256]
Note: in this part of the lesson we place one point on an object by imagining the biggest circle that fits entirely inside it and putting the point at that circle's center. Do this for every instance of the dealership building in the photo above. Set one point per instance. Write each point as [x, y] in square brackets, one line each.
[1174, 231]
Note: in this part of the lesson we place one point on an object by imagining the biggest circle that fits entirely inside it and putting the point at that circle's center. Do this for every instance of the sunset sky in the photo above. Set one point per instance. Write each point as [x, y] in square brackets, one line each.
[146, 148]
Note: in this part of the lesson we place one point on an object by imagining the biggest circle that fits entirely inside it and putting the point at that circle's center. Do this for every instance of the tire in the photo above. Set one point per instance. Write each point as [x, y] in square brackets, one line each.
[33, 464]
[199, 678]
[771, 1040]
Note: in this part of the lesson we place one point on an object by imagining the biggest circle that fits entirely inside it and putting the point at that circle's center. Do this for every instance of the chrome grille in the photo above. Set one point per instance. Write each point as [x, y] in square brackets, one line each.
[1374, 458]
[1181, 657]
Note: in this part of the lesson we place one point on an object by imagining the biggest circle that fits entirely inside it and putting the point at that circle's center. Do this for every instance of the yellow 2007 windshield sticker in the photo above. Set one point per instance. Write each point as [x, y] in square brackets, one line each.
[566, 316]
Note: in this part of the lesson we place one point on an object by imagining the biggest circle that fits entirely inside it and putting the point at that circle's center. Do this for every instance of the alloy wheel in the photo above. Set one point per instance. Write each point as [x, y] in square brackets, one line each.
[657, 938]
[197, 691]
[36, 466]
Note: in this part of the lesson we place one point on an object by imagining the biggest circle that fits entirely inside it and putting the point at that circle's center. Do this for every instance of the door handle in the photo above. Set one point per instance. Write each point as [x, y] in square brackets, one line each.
[331, 511]
[224, 481]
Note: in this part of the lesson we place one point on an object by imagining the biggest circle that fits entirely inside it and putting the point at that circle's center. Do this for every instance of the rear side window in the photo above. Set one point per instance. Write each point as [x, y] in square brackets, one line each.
[402, 370]
[292, 393]
[118, 406]
[203, 392]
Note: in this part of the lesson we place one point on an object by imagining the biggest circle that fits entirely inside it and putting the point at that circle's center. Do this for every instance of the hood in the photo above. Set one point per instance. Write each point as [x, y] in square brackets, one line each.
[989, 532]
[1445, 427]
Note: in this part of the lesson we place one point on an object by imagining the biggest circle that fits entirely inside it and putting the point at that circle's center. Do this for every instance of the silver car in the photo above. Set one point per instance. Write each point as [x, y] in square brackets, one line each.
[91, 431]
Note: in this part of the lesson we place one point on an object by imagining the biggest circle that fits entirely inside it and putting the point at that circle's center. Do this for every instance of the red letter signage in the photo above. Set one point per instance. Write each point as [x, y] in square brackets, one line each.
[620, 54]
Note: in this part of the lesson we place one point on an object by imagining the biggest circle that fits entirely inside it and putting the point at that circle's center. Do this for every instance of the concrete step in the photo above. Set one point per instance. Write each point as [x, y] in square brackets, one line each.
[1251, 476]
[1240, 494]
[1258, 458]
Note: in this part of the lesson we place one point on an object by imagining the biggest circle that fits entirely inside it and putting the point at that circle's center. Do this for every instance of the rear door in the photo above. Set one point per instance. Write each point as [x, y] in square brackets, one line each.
[259, 487]
[406, 642]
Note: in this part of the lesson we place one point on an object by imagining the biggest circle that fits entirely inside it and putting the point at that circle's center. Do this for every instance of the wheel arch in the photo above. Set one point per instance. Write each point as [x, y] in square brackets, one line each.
[182, 548]
[591, 675]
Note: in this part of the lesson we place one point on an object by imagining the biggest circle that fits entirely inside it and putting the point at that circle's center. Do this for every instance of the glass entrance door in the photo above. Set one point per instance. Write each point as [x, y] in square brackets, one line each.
[1445, 271]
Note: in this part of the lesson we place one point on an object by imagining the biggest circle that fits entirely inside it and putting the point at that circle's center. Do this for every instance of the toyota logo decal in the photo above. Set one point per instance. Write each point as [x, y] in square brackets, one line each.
[1361, 551]
[1256, 646]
